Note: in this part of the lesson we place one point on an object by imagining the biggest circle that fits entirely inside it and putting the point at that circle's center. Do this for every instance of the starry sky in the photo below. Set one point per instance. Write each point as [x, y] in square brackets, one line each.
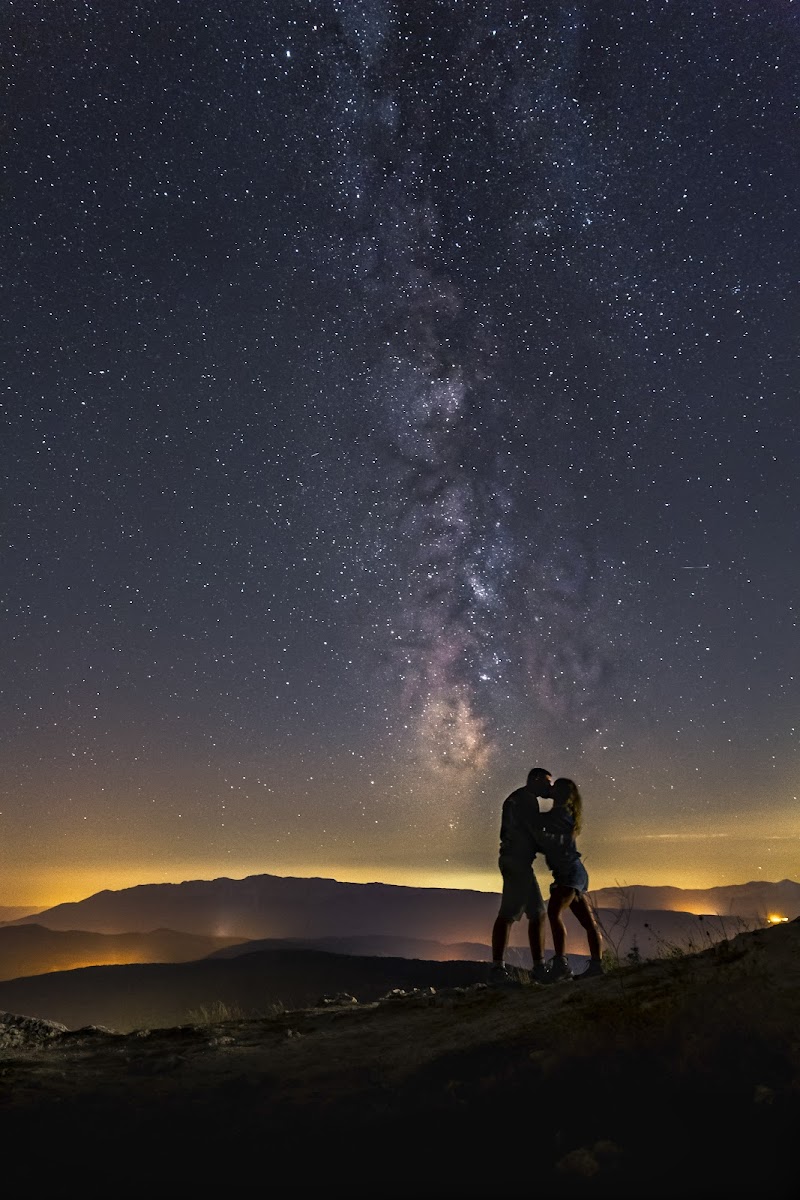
[397, 397]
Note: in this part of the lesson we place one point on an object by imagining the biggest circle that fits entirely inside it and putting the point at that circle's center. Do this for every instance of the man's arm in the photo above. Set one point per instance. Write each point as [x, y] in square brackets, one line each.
[506, 824]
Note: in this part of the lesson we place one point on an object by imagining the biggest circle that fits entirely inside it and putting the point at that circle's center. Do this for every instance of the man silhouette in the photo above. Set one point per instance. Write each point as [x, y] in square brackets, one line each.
[521, 892]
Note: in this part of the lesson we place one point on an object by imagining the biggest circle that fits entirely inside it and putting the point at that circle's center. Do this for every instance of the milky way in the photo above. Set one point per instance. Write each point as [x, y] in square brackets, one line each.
[486, 574]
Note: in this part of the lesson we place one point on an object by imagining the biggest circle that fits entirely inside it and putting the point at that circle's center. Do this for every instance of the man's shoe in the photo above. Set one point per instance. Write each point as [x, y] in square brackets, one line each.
[594, 969]
[540, 973]
[559, 968]
[501, 977]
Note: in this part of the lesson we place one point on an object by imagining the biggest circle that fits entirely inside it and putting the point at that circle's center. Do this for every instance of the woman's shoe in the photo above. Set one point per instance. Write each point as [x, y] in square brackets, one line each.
[560, 968]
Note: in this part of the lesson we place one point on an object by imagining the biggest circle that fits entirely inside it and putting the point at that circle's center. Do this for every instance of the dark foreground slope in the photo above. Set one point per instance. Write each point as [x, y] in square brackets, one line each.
[674, 1078]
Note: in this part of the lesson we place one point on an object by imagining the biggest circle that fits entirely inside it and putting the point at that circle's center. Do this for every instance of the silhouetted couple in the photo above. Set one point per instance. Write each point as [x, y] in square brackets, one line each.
[531, 825]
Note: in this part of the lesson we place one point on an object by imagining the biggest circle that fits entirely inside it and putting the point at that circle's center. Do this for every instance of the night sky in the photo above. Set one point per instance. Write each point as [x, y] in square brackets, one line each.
[397, 397]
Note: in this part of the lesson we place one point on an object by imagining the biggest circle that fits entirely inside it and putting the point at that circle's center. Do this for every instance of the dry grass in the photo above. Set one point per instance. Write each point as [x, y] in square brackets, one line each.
[217, 1012]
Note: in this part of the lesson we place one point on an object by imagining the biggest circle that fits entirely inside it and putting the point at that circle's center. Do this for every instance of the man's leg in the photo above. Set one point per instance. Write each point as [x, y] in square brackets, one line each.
[517, 874]
[537, 917]
[499, 974]
[536, 924]
[501, 931]
[536, 937]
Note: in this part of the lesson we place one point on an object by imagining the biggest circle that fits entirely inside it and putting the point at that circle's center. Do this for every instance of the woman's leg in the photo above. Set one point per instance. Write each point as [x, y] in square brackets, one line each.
[580, 907]
[560, 898]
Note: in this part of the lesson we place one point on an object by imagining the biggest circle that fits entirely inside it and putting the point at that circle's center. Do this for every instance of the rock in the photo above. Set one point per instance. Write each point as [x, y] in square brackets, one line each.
[419, 993]
[21, 1033]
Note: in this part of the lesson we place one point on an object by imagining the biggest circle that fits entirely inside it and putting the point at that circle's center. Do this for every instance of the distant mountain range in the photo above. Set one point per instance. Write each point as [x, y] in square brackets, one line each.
[747, 900]
[271, 906]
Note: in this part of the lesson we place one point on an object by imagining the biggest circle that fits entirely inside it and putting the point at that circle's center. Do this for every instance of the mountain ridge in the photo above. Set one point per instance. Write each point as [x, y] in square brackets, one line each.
[259, 906]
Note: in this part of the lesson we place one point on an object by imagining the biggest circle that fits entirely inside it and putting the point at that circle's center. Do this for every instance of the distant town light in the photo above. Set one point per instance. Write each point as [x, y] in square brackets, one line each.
[774, 920]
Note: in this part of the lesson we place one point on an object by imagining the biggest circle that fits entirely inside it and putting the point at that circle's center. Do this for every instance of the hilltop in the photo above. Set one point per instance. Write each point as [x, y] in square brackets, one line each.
[675, 1077]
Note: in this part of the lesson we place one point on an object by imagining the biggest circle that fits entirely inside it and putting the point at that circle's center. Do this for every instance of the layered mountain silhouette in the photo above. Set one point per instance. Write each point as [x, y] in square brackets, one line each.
[253, 976]
[34, 950]
[371, 946]
[271, 906]
[158, 953]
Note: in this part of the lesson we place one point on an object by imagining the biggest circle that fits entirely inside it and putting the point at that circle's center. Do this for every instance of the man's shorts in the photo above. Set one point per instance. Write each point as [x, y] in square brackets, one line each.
[521, 892]
[571, 873]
